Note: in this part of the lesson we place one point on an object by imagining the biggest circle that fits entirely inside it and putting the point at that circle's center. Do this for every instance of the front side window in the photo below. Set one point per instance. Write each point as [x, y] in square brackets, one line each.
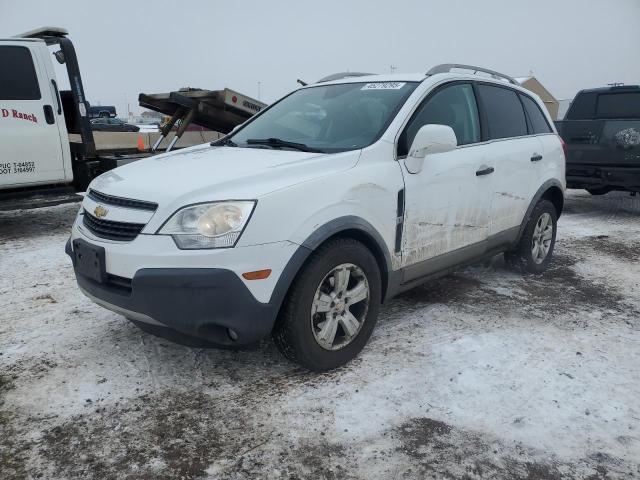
[454, 106]
[538, 120]
[18, 79]
[328, 118]
[503, 110]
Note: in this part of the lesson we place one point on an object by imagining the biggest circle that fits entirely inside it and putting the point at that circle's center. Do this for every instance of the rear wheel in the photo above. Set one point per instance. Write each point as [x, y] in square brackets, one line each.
[332, 306]
[534, 250]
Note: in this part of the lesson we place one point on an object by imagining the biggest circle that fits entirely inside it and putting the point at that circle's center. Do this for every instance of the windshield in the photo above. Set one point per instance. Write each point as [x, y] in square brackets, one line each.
[328, 118]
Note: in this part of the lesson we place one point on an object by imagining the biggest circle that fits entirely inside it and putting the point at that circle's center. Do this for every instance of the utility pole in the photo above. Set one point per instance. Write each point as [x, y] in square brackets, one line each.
[393, 69]
[259, 90]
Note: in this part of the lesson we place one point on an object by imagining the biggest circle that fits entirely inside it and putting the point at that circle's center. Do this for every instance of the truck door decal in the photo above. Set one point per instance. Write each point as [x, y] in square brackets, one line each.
[20, 115]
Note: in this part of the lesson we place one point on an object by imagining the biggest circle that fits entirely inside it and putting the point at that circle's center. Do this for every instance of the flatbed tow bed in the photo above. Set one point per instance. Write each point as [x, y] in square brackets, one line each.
[219, 110]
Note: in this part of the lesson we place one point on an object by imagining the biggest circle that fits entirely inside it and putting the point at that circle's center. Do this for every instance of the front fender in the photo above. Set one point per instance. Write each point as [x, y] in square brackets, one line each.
[349, 225]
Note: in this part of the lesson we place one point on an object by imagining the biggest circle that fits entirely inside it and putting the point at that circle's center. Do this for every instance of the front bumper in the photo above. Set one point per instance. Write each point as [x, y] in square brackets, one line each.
[208, 303]
[601, 176]
[197, 293]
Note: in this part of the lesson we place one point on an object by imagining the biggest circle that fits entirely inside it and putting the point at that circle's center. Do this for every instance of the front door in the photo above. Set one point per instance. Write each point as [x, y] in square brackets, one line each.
[30, 145]
[447, 203]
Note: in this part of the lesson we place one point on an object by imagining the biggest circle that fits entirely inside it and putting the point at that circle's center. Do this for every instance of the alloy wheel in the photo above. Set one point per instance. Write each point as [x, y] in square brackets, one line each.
[542, 236]
[340, 306]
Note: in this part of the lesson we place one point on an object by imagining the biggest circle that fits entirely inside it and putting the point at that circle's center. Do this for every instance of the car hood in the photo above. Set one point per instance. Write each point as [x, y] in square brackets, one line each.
[206, 173]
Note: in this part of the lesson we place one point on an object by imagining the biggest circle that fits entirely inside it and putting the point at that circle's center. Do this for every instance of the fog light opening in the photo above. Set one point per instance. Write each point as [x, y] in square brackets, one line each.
[232, 334]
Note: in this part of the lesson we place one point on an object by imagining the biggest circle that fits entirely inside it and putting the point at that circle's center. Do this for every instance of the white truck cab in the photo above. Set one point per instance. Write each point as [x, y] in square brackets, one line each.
[301, 222]
[33, 135]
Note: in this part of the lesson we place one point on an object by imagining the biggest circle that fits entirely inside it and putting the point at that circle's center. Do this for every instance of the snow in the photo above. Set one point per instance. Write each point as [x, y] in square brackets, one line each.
[483, 374]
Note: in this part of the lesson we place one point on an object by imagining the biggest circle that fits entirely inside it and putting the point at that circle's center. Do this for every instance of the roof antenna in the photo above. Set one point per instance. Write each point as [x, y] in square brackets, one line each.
[301, 82]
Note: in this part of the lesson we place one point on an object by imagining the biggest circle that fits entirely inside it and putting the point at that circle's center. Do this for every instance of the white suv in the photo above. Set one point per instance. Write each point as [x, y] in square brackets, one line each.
[342, 194]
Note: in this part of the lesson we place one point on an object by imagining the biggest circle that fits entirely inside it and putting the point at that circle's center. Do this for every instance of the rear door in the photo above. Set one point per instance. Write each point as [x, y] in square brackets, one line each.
[549, 163]
[30, 147]
[513, 152]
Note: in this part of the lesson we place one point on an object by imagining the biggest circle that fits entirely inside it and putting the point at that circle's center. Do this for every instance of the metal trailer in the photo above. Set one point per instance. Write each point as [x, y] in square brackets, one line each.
[218, 110]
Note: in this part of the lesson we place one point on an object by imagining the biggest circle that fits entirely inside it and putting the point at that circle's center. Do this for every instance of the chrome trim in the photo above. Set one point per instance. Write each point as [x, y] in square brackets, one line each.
[129, 314]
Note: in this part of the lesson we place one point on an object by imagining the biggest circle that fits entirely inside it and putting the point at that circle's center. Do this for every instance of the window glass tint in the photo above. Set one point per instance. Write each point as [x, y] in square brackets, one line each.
[539, 122]
[18, 79]
[330, 118]
[505, 116]
[582, 107]
[454, 106]
[618, 105]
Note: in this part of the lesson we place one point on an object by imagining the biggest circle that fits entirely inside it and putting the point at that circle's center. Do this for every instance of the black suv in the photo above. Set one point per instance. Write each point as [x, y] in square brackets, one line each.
[602, 135]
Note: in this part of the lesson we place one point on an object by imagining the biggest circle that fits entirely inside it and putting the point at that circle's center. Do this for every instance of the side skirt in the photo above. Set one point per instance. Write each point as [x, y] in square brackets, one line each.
[414, 275]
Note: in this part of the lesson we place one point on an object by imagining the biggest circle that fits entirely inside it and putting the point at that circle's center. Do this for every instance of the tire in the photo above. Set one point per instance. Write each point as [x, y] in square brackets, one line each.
[521, 257]
[305, 337]
[599, 191]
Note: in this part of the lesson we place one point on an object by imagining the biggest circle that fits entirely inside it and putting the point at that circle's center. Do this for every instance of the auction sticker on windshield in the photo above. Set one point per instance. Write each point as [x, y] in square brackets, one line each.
[383, 86]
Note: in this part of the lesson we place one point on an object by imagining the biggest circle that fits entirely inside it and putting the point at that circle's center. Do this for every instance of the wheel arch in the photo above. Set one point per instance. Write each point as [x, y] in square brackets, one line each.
[551, 190]
[343, 227]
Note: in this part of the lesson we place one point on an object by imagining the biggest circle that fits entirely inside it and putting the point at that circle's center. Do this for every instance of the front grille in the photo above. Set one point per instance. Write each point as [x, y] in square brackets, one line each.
[121, 202]
[111, 230]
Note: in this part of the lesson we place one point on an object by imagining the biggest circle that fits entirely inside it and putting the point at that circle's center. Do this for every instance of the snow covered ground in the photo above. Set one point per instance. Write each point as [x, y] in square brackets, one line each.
[482, 374]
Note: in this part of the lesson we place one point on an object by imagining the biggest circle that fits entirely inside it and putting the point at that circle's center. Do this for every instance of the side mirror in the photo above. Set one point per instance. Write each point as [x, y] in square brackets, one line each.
[430, 139]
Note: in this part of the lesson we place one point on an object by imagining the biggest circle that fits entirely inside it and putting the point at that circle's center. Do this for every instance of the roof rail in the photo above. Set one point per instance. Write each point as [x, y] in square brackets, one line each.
[447, 67]
[340, 76]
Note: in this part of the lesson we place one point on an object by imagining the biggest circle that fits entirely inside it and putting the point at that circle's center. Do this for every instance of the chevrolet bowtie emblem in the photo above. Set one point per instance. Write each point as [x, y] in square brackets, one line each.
[100, 211]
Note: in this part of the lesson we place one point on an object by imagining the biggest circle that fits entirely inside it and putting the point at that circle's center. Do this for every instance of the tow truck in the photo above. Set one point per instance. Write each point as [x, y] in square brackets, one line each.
[48, 151]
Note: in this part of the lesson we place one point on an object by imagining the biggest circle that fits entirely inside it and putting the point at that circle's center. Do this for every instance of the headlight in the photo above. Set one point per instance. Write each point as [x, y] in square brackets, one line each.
[208, 225]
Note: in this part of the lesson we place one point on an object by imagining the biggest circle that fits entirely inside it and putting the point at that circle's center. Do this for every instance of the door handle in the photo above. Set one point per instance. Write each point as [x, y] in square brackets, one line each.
[536, 157]
[57, 93]
[485, 171]
[48, 114]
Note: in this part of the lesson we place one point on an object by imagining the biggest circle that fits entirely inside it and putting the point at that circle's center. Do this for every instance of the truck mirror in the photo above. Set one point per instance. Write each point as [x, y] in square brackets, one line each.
[60, 57]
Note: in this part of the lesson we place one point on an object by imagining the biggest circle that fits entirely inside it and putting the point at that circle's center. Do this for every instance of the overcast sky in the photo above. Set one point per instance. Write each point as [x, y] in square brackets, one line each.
[130, 46]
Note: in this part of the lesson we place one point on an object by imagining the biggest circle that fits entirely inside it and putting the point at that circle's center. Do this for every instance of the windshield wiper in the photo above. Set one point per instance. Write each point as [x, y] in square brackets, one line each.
[277, 142]
[224, 141]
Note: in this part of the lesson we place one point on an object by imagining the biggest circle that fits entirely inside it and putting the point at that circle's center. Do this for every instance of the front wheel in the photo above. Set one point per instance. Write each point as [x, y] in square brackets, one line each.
[332, 306]
[534, 250]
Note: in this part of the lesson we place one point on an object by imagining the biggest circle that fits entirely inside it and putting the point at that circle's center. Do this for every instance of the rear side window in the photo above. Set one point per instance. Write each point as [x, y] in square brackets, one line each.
[618, 105]
[504, 114]
[582, 107]
[18, 79]
[454, 106]
[538, 120]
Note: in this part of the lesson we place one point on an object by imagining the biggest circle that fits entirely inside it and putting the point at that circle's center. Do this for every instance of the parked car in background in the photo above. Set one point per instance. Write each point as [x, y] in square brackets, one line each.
[304, 219]
[112, 125]
[101, 111]
[602, 135]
